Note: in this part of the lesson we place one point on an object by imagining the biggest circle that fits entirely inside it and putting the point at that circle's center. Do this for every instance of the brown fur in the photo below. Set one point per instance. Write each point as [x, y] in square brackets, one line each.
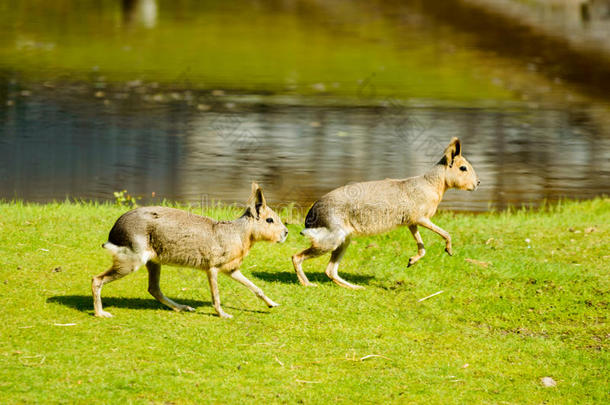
[161, 235]
[374, 207]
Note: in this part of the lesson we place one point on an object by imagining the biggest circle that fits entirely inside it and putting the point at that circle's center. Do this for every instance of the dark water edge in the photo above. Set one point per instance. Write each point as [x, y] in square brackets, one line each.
[586, 68]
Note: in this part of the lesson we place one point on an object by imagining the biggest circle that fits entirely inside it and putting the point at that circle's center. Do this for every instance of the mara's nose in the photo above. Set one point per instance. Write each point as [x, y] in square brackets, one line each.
[478, 182]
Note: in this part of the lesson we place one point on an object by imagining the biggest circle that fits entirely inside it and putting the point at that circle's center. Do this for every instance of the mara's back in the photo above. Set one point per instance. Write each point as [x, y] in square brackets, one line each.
[165, 222]
[176, 236]
[367, 208]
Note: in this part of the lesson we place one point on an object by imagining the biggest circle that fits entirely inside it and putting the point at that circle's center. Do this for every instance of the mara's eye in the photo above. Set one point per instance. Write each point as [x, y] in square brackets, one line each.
[463, 168]
[270, 220]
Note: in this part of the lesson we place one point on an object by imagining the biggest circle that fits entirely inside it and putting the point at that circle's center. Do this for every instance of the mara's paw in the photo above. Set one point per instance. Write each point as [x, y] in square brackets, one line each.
[412, 261]
[184, 308]
[346, 284]
[309, 284]
[224, 315]
[103, 314]
[272, 304]
[449, 250]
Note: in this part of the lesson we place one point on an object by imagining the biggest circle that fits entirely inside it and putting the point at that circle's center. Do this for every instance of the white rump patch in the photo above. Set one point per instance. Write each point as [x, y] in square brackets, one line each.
[324, 238]
[117, 250]
[126, 254]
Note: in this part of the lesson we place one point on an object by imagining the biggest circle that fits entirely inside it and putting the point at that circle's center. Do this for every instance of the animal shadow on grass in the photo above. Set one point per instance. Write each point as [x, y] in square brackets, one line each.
[289, 277]
[84, 303]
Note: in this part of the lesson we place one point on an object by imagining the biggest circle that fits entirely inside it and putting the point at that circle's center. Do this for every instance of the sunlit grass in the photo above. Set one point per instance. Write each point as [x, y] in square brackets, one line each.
[535, 306]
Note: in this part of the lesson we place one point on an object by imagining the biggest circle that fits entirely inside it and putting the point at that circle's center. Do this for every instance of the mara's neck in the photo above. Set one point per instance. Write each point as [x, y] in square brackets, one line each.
[237, 234]
[436, 178]
[242, 227]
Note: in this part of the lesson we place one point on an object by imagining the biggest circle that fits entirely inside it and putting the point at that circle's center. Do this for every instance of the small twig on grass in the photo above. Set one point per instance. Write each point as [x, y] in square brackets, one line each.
[55, 244]
[308, 382]
[259, 344]
[430, 296]
[64, 324]
[478, 263]
[368, 356]
[278, 361]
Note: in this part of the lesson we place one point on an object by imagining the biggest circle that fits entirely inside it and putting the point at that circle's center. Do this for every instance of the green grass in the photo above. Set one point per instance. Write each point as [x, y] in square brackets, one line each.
[535, 311]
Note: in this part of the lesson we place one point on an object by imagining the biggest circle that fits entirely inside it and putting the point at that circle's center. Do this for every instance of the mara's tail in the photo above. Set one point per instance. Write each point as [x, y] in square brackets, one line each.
[324, 238]
[114, 249]
[315, 234]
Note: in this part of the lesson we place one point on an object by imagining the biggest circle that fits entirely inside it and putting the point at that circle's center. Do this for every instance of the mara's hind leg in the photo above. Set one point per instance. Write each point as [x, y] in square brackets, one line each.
[426, 223]
[420, 246]
[119, 269]
[238, 276]
[299, 258]
[154, 275]
[333, 266]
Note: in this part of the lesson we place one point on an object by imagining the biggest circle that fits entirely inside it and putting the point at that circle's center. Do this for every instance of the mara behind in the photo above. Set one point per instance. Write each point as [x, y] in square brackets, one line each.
[374, 207]
[160, 235]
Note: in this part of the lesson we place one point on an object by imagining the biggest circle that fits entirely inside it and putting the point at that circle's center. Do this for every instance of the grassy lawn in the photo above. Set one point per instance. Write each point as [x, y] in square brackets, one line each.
[524, 311]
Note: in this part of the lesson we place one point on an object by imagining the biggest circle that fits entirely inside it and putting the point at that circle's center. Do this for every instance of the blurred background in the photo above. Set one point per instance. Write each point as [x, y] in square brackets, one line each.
[190, 100]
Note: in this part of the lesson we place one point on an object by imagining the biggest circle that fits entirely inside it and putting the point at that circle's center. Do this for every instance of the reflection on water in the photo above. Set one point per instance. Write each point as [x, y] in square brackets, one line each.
[192, 100]
[143, 12]
[54, 147]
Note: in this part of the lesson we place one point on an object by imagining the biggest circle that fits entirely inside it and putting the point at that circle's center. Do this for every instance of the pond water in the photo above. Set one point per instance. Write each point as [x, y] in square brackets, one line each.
[192, 100]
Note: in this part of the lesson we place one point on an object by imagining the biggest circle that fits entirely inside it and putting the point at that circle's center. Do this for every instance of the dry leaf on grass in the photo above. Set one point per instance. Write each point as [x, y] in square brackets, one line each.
[548, 382]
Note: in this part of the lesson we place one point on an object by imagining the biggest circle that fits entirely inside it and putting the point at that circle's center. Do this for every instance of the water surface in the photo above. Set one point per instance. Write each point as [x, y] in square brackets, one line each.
[192, 100]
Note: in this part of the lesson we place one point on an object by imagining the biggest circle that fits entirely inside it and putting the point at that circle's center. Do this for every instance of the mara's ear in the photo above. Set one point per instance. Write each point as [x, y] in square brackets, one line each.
[453, 149]
[256, 201]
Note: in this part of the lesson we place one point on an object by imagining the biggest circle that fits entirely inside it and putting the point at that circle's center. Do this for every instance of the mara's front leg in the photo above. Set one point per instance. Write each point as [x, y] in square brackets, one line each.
[420, 245]
[426, 223]
[213, 279]
[239, 277]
